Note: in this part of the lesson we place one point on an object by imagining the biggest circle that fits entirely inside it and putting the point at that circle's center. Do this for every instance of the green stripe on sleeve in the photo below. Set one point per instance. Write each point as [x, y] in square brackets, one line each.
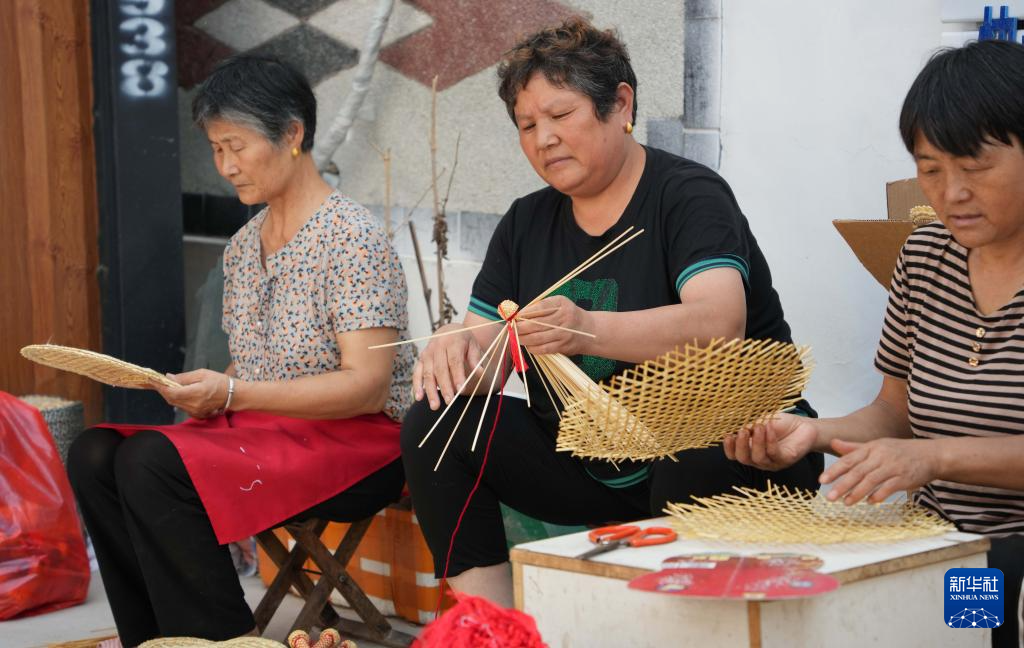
[483, 309]
[726, 261]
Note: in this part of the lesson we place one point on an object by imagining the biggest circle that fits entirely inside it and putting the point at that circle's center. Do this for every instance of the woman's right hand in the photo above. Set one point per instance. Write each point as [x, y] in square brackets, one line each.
[774, 445]
[443, 365]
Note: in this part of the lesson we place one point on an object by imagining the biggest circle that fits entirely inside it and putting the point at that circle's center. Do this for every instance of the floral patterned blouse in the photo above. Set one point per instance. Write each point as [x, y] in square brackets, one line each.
[338, 273]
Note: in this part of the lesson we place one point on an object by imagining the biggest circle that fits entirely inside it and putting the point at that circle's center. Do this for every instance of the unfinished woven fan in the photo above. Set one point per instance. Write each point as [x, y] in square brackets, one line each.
[96, 366]
[684, 399]
[781, 515]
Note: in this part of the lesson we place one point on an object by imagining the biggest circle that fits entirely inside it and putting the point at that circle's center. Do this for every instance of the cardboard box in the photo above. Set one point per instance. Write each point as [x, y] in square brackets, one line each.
[877, 243]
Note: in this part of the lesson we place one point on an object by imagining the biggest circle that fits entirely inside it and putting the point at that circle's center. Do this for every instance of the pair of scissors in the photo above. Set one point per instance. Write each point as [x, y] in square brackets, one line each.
[610, 538]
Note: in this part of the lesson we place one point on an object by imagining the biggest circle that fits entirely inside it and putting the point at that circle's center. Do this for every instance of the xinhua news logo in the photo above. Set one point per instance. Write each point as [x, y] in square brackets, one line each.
[974, 598]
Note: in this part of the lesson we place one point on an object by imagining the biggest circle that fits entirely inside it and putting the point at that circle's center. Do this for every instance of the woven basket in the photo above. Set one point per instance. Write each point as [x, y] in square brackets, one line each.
[66, 419]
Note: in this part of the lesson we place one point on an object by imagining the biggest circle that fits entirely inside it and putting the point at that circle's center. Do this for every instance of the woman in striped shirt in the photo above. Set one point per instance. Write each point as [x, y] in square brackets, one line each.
[949, 419]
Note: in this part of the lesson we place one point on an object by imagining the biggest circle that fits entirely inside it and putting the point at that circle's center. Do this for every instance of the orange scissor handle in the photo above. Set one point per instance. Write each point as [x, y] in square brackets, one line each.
[652, 536]
[607, 534]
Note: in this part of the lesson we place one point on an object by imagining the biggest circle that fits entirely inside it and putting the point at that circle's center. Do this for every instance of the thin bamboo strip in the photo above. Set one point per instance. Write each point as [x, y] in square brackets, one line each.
[578, 268]
[585, 266]
[461, 388]
[82, 643]
[555, 326]
[490, 392]
[491, 355]
[543, 383]
[435, 335]
[519, 351]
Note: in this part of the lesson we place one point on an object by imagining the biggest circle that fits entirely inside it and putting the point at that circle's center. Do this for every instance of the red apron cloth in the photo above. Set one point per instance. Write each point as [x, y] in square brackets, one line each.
[253, 470]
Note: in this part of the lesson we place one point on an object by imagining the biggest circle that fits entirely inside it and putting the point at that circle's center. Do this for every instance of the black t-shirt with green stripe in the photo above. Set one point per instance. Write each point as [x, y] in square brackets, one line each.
[692, 223]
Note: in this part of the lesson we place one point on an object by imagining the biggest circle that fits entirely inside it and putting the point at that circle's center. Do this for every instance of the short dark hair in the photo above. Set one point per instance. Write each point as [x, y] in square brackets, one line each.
[261, 92]
[967, 96]
[574, 54]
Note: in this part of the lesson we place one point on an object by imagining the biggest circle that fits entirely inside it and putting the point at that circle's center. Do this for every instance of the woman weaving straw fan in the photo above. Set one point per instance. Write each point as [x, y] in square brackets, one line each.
[948, 421]
[304, 421]
[695, 274]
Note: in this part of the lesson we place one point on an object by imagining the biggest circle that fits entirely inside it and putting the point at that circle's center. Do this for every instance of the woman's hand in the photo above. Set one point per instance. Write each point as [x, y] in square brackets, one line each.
[877, 469]
[201, 395]
[557, 311]
[774, 445]
[444, 364]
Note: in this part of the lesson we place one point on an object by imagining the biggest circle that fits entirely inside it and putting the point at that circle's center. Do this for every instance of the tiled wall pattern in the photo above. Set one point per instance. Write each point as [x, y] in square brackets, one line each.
[460, 41]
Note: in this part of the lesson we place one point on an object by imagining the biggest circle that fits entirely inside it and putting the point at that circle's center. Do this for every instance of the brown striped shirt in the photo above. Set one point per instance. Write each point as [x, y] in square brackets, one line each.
[964, 370]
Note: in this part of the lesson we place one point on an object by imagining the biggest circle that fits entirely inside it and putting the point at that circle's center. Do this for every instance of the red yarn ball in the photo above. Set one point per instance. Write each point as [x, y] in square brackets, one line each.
[475, 622]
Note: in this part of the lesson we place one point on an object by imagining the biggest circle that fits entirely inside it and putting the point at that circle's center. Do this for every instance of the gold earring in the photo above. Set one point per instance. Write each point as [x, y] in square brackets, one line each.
[295, 151]
[628, 128]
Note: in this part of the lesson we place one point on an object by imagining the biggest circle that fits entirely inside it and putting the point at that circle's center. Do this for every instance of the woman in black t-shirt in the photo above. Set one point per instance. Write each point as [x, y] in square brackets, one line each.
[695, 274]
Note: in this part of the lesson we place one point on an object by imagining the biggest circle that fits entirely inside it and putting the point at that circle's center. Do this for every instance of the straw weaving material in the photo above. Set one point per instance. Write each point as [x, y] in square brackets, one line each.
[96, 366]
[684, 399]
[781, 515]
[194, 642]
[92, 642]
[922, 215]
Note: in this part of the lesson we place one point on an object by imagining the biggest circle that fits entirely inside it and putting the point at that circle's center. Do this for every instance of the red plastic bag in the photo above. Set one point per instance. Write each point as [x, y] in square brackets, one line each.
[43, 564]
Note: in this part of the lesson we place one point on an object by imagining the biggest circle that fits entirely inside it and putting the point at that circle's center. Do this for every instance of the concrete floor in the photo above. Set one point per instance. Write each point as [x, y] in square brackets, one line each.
[93, 619]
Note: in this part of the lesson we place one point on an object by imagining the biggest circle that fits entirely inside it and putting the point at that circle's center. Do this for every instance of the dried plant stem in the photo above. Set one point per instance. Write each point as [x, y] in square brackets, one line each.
[437, 204]
[451, 176]
[385, 157]
[387, 193]
[415, 206]
[423, 274]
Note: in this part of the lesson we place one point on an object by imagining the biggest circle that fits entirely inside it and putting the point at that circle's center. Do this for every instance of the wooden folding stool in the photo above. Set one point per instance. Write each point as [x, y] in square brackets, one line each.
[333, 575]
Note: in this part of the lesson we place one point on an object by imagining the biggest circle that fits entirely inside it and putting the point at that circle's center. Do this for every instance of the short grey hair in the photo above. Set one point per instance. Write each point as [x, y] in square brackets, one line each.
[258, 92]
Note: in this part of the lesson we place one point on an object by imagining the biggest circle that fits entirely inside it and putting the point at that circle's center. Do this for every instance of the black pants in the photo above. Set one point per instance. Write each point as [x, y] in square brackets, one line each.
[1007, 555]
[524, 472]
[164, 572]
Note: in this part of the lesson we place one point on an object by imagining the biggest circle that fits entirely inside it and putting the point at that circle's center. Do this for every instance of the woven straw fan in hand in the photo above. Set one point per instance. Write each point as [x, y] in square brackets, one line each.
[684, 399]
[99, 367]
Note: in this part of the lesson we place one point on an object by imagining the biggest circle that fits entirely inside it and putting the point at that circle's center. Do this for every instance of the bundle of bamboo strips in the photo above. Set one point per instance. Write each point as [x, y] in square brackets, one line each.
[567, 380]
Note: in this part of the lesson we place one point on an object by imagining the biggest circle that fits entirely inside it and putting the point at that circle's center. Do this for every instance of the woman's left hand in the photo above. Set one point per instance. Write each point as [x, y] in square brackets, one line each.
[557, 311]
[201, 395]
[877, 469]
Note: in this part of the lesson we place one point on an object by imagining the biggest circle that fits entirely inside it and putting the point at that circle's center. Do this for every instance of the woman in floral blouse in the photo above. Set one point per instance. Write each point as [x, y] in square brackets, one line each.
[304, 422]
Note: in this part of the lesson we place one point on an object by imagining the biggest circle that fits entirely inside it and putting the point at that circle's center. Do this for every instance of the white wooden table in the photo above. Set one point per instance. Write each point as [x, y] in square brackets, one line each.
[891, 594]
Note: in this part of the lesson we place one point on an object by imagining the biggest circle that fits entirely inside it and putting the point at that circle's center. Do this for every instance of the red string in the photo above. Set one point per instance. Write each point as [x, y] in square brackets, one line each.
[465, 507]
[518, 361]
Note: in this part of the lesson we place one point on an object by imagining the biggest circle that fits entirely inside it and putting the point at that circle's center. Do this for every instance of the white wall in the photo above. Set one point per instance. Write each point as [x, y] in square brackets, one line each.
[811, 93]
